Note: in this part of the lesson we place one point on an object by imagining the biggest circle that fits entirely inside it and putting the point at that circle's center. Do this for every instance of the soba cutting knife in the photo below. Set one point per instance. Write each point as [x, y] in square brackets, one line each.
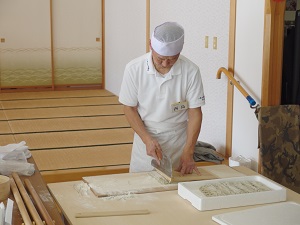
[165, 166]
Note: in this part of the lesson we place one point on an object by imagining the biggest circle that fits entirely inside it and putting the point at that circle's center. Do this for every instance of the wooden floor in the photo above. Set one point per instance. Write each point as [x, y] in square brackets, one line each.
[69, 133]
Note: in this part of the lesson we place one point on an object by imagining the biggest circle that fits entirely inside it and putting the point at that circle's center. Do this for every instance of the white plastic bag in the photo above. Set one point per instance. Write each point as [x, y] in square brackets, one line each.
[22, 168]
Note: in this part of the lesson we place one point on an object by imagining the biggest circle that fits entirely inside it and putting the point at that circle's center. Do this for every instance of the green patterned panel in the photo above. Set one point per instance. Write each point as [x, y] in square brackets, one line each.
[25, 67]
[78, 66]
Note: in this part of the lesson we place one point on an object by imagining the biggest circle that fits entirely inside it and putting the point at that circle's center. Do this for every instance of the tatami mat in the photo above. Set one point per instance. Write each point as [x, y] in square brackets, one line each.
[98, 156]
[69, 133]
[4, 127]
[68, 124]
[7, 139]
[76, 138]
[54, 94]
[2, 115]
[64, 102]
[61, 112]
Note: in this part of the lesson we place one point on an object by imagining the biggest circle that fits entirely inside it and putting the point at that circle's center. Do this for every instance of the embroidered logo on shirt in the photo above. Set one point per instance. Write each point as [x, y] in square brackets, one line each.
[148, 68]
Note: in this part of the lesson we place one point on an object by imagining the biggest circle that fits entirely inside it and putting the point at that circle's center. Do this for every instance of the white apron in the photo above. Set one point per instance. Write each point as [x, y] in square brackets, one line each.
[171, 138]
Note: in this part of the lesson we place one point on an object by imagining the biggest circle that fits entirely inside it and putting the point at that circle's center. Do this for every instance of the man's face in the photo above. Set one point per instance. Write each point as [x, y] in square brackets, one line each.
[163, 62]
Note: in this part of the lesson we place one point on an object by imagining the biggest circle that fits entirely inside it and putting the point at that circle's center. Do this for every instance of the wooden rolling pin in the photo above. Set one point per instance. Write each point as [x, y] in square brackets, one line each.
[112, 213]
[32, 210]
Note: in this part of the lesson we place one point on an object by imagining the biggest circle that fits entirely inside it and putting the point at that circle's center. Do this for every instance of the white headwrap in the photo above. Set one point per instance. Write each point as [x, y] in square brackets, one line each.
[167, 39]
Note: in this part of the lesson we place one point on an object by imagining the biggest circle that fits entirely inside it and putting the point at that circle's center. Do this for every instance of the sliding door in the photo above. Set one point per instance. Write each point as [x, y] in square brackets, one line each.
[25, 46]
[77, 42]
[50, 44]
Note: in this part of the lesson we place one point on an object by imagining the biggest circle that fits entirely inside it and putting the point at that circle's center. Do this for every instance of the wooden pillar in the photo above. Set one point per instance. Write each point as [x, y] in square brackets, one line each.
[272, 52]
[230, 87]
[272, 55]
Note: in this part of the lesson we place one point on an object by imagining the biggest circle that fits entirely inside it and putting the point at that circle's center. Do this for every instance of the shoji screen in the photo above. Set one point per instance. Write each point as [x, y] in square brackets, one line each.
[77, 41]
[25, 53]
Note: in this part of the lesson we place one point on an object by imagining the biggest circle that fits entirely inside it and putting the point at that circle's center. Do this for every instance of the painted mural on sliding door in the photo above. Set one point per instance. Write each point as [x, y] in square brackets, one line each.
[77, 42]
[25, 46]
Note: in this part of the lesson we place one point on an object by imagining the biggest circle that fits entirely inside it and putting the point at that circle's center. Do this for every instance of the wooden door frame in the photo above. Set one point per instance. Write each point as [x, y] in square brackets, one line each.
[273, 52]
[271, 66]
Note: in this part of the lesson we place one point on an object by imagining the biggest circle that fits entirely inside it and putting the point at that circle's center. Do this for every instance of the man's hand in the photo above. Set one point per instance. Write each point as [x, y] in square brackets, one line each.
[187, 165]
[153, 149]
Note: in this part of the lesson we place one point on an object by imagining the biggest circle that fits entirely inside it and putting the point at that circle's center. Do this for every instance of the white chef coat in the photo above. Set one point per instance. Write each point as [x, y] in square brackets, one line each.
[154, 95]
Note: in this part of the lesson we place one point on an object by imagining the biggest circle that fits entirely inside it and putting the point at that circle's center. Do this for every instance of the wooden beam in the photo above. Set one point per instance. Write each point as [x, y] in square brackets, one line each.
[230, 88]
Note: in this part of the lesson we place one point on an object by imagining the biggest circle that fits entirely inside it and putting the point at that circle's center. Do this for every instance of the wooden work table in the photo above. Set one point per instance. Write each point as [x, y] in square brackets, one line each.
[165, 207]
[46, 198]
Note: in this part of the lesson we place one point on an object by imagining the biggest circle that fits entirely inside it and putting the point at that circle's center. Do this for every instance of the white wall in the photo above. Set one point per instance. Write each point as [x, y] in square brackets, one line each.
[248, 70]
[199, 18]
[202, 18]
[125, 38]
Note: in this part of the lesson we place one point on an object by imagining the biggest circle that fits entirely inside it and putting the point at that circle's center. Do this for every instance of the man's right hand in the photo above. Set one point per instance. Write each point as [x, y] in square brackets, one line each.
[153, 149]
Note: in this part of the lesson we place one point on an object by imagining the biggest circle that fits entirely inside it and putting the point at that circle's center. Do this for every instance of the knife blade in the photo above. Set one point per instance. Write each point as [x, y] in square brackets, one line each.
[165, 165]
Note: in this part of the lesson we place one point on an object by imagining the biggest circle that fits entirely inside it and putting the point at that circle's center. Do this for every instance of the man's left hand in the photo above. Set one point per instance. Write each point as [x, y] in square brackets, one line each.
[187, 165]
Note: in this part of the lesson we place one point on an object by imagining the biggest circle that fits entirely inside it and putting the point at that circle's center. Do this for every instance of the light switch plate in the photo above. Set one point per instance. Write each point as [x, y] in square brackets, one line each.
[215, 43]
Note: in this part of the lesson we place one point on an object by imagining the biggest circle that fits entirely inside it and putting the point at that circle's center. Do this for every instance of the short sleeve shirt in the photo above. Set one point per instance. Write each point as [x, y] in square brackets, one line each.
[154, 95]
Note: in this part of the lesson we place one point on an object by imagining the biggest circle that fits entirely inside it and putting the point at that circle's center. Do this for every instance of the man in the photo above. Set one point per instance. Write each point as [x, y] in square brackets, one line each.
[162, 94]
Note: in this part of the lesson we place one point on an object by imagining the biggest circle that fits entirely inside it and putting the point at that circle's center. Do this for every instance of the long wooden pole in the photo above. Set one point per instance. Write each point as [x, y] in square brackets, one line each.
[112, 213]
[20, 203]
[32, 210]
[38, 202]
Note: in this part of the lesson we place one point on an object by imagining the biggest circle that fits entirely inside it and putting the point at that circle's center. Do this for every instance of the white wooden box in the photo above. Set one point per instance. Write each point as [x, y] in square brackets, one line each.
[191, 192]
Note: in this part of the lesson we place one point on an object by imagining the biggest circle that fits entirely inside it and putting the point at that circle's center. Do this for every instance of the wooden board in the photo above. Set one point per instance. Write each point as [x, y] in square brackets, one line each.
[119, 184]
[165, 207]
[145, 182]
[177, 177]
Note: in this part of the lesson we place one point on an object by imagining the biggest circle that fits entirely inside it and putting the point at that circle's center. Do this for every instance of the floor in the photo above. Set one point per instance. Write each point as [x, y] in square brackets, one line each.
[69, 133]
